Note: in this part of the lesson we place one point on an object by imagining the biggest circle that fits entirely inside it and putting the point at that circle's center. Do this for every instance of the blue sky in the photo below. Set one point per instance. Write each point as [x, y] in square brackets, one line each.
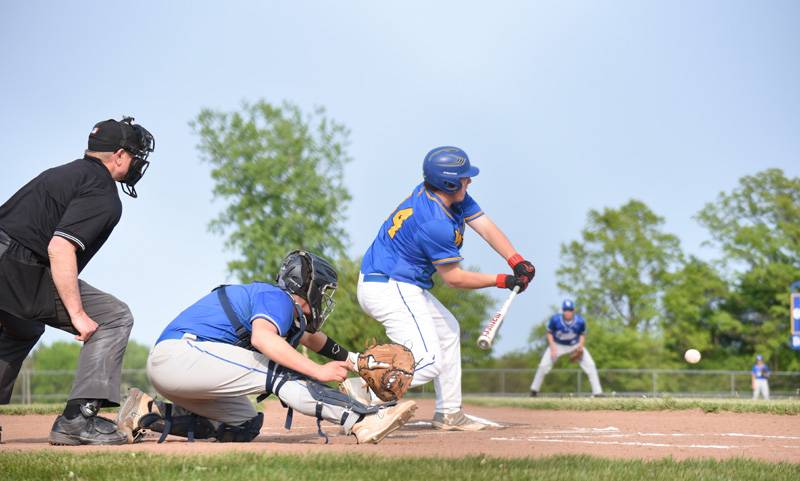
[565, 107]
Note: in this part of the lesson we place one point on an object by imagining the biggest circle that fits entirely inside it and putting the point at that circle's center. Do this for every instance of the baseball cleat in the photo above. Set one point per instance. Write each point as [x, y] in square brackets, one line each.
[457, 421]
[135, 406]
[373, 428]
[534, 393]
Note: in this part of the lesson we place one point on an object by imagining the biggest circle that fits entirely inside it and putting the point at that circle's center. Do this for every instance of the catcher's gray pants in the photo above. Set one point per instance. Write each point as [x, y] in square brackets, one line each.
[100, 361]
[213, 380]
[587, 364]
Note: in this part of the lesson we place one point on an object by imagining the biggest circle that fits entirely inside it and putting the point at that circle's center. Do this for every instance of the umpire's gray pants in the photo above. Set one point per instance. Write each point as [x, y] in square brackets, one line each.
[214, 379]
[100, 361]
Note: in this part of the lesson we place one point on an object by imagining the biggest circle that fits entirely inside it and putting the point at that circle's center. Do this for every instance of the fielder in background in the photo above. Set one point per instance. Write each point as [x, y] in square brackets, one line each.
[760, 378]
[566, 334]
[49, 231]
[241, 340]
[423, 236]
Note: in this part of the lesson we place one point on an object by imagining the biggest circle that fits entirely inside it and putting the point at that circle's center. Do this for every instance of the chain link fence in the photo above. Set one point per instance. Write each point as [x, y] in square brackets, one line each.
[54, 386]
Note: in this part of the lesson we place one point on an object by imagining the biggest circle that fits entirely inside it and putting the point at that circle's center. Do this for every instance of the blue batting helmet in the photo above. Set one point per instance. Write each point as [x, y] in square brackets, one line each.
[445, 166]
[567, 305]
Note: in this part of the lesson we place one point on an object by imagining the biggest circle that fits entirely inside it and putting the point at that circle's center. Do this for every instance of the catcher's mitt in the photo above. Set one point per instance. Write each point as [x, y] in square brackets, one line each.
[576, 355]
[387, 370]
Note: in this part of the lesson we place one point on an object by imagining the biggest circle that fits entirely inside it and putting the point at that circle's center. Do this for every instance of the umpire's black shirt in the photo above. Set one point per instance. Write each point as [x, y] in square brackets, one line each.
[78, 201]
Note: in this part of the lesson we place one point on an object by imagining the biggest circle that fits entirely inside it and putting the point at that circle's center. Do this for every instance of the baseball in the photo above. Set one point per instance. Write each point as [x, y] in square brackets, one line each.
[692, 356]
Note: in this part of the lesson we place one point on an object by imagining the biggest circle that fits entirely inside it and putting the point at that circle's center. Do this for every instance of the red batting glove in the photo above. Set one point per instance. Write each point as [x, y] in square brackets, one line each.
[521, 267]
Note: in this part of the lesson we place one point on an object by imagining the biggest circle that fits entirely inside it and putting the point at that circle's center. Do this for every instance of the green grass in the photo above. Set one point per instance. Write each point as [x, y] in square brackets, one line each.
[783, 406]
[20, 409]
[328, 467]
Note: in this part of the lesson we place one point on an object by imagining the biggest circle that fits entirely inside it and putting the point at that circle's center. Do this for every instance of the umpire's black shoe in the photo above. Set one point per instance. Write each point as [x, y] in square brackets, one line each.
[85, 430]
[534, 393]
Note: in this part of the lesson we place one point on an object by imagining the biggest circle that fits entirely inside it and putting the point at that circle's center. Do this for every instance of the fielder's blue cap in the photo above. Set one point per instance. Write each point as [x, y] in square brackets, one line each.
[567, 305]
[759, 357]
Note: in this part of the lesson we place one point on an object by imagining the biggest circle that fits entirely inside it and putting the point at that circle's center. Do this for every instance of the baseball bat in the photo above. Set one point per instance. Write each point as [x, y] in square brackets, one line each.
[487, 336]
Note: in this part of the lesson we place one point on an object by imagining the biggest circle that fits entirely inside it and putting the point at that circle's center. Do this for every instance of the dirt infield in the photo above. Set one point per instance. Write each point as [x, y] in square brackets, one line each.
[615, 434]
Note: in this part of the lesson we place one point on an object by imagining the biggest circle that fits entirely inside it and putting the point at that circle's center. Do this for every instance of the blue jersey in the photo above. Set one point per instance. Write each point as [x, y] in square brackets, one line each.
[206, 318]
[566, 333]
[419, 235]
[760, 372]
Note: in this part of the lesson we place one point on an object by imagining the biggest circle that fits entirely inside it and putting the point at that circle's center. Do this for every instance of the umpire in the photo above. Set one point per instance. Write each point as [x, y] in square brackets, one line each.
[49, 230]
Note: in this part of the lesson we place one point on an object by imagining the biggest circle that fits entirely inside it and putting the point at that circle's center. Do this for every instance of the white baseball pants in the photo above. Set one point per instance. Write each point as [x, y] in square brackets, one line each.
[416, 319]
[587, 364]
[762, 388]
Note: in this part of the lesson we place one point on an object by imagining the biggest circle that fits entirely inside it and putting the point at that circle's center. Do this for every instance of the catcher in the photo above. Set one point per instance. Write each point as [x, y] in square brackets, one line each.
[566, 334]
[240, 340]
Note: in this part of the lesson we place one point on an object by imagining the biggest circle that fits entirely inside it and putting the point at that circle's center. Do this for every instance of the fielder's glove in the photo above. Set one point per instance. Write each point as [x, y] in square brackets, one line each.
[576, 355]
[387, 369]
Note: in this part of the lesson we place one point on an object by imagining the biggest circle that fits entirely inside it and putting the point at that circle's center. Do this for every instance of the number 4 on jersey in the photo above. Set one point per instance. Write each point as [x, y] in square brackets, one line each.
[397, 221]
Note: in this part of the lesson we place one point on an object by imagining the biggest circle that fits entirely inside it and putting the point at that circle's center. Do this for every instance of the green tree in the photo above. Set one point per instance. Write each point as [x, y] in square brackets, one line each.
[280, 171]
[619, 267]
[695, 315]
[757, 228]
[617, 273]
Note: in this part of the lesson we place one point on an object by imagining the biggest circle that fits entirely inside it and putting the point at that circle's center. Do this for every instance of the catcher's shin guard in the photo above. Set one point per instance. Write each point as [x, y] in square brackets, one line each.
[354, 410]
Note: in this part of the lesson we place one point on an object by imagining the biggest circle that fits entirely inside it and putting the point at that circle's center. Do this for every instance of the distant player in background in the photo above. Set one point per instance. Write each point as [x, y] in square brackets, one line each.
[760, 378]
[421, 237]
[566, 334]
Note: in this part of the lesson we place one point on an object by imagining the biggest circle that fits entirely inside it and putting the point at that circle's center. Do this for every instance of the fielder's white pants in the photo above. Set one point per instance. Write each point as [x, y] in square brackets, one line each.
[761, 387]
[587, 364]
[416, 319]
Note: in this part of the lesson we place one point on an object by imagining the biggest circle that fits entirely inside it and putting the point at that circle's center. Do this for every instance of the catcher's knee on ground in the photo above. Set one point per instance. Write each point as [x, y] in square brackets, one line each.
[192, 426]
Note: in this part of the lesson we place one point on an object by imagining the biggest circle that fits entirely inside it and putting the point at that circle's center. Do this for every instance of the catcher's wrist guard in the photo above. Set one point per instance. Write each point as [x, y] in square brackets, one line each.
[333, 350]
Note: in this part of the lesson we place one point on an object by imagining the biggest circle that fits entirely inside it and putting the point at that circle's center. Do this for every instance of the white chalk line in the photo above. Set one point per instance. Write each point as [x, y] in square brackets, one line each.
[582, 435]
[615, 432]
[625, 443]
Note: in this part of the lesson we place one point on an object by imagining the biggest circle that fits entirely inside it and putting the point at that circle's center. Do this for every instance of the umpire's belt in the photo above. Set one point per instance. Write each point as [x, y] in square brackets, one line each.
[374, 277]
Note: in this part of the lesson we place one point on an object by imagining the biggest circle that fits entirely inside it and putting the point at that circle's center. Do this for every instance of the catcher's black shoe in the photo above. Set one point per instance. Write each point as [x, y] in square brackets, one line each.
[534, 393]
[94, 430]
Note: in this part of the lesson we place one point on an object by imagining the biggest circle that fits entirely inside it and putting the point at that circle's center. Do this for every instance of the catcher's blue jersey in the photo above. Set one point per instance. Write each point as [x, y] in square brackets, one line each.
[419, 235]
[760, 372]
[566, 333]
[206, 318]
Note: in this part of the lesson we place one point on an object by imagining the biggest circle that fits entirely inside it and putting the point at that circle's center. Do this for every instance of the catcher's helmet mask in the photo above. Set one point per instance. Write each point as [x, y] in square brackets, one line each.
[312, 278]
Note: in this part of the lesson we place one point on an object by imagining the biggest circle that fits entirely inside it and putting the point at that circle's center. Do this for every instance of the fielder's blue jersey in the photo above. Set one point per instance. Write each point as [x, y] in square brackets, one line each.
[566, 333]
[419, 235]
[760, 372]
[206, 318]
